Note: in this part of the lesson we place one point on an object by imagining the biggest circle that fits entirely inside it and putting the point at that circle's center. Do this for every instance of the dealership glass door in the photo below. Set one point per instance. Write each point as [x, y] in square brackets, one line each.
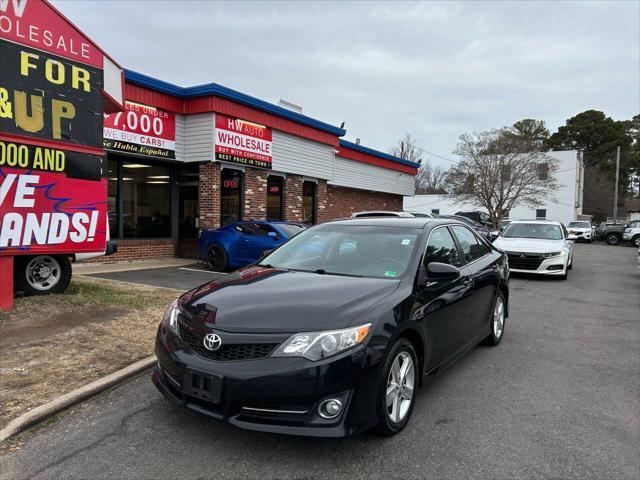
[231, 196]
[309, 202]
[275, 197]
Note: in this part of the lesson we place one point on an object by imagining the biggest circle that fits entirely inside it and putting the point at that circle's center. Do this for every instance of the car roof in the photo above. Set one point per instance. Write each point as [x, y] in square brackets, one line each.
[404, 222]
[541, 222]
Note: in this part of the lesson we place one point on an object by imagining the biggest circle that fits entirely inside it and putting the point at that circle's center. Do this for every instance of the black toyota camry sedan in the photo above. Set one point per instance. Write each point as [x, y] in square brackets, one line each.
[331, 333]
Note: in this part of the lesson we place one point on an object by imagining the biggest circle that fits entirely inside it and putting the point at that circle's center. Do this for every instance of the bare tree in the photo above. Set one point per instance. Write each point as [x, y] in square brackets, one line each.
[407, 149]
[497, 171]
[430, 180]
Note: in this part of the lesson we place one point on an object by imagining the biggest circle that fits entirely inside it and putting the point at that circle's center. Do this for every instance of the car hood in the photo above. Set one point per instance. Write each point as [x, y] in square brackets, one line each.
[529, 245]
[258, 299]
[576, 229]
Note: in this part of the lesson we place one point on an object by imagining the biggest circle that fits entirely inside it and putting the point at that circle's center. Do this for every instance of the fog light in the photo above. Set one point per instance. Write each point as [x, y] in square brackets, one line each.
[330, 408]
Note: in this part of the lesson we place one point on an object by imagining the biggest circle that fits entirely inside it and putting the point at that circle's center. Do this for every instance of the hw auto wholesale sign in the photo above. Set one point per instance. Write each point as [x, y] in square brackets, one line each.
[141, 130]
[243, 142]
[53, 194]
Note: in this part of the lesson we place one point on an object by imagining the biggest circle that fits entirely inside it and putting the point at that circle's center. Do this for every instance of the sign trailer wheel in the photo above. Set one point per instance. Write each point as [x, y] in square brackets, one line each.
[42, 274]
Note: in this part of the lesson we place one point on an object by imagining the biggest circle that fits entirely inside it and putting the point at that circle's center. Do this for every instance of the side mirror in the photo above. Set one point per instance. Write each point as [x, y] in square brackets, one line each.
[273, 235]
[572, 238]
[439, 272]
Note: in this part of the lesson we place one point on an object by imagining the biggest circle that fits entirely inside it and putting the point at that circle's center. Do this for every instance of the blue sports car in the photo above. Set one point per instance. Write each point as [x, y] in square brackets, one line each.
[242, 243]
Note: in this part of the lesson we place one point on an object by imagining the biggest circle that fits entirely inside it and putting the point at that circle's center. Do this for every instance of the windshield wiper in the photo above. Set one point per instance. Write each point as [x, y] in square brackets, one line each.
[322, 271]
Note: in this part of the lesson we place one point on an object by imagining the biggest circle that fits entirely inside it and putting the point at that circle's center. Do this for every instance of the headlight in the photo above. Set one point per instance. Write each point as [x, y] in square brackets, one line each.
[318, 345]
[627, 230]
[554, 254]
[170, 318]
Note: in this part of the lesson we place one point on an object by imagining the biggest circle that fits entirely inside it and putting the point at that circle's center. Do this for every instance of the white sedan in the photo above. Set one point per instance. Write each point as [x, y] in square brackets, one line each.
[536, 246]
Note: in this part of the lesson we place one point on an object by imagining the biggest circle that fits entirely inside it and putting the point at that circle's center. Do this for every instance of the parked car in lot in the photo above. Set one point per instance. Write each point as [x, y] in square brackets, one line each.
[610, 233]
[331, 333]
[483, 230]
[536, 246]
[241, 243]
[581, 229]
[631, 233]
[477, 216]
[388, 213]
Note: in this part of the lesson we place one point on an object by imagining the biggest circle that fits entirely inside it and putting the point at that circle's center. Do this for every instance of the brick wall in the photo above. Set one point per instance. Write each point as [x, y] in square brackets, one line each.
[342, 202]
[322, 213]
[255, 194]
[209, 195]
[293, 198]
[132, 249]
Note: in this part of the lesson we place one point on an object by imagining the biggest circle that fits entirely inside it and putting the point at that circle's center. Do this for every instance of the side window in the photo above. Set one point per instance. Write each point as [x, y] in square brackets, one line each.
[441, 248]
[256, 229]
[472, 248]
[633, 224]
[565, 231]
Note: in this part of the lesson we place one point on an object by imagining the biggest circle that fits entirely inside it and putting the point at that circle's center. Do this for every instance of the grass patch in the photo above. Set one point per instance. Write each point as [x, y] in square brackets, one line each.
[50, 345]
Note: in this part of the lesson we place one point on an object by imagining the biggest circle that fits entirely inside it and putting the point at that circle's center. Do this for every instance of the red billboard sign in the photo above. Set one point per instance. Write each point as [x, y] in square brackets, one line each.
[52, 187]
[243, 142]
[142, 130]
[39, 215]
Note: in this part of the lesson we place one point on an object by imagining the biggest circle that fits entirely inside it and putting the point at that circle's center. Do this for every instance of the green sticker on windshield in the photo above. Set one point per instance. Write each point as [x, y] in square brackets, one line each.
[390, 273]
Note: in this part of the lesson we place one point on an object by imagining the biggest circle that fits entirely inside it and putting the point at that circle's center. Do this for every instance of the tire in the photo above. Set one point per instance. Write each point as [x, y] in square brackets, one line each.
[635, 241]
[217, 258]
[612, 239]
[42, 274]
[394, 417]
[495, 337]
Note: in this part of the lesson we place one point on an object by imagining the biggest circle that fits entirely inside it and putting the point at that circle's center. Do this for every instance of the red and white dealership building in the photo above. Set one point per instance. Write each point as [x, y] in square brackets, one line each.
[183, 159]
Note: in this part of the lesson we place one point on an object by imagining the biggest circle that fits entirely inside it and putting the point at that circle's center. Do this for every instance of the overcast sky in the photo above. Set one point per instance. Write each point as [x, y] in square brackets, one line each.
[434, 69]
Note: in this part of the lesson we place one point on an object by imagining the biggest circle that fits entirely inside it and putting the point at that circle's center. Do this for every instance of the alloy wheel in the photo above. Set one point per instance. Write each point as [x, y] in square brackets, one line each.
[498, 318]
[216, 258]
[43, 272]
[400, 387]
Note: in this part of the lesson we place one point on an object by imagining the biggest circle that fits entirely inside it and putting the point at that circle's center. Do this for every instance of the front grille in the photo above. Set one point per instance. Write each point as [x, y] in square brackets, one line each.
[228, 352]
[531, 261]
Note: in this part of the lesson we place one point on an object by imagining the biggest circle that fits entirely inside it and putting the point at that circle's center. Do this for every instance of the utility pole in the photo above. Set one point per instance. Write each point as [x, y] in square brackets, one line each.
[615, 193]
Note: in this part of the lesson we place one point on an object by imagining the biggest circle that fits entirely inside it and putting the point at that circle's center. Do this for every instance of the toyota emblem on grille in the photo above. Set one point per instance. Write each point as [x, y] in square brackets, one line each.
[212, 341]
[522, 254]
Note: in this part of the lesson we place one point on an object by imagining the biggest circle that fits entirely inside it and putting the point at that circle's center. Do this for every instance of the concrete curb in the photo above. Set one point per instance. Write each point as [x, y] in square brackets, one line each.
[38, 414]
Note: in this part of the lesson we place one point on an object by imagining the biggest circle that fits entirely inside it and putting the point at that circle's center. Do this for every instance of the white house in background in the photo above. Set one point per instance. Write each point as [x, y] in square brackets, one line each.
[565, 204]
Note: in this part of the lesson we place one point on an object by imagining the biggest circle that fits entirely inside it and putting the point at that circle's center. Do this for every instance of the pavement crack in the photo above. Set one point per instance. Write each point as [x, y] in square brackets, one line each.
[118, 430]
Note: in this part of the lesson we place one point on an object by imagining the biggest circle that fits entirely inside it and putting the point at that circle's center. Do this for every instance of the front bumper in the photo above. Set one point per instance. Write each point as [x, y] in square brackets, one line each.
[554, 266]
[582, 235]
[628, 236]
[277, 395]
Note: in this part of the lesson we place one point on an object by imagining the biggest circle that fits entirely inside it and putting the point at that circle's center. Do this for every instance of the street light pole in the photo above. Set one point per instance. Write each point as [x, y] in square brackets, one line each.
[615, 193]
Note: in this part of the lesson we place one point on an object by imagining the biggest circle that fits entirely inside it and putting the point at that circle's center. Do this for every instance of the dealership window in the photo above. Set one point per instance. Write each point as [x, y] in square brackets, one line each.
[275, 196]
[231, 196]
[309, 202]
[146, 200]
[138, 199]
[543, 171]
[541, 214]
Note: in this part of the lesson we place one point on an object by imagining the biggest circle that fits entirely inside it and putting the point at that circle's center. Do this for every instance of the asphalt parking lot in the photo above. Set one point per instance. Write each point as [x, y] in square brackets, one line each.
[558, 398]
[180, 278]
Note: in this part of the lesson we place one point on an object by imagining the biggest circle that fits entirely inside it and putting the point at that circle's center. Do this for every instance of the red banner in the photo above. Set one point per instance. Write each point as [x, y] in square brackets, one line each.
[37, 24]
[243, 142]
[141, 129]
[45, 211]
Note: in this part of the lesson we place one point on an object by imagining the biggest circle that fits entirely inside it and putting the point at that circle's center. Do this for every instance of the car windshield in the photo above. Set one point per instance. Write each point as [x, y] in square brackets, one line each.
[354, 250]
[290, 229]
[543, 231]
[579, 225]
